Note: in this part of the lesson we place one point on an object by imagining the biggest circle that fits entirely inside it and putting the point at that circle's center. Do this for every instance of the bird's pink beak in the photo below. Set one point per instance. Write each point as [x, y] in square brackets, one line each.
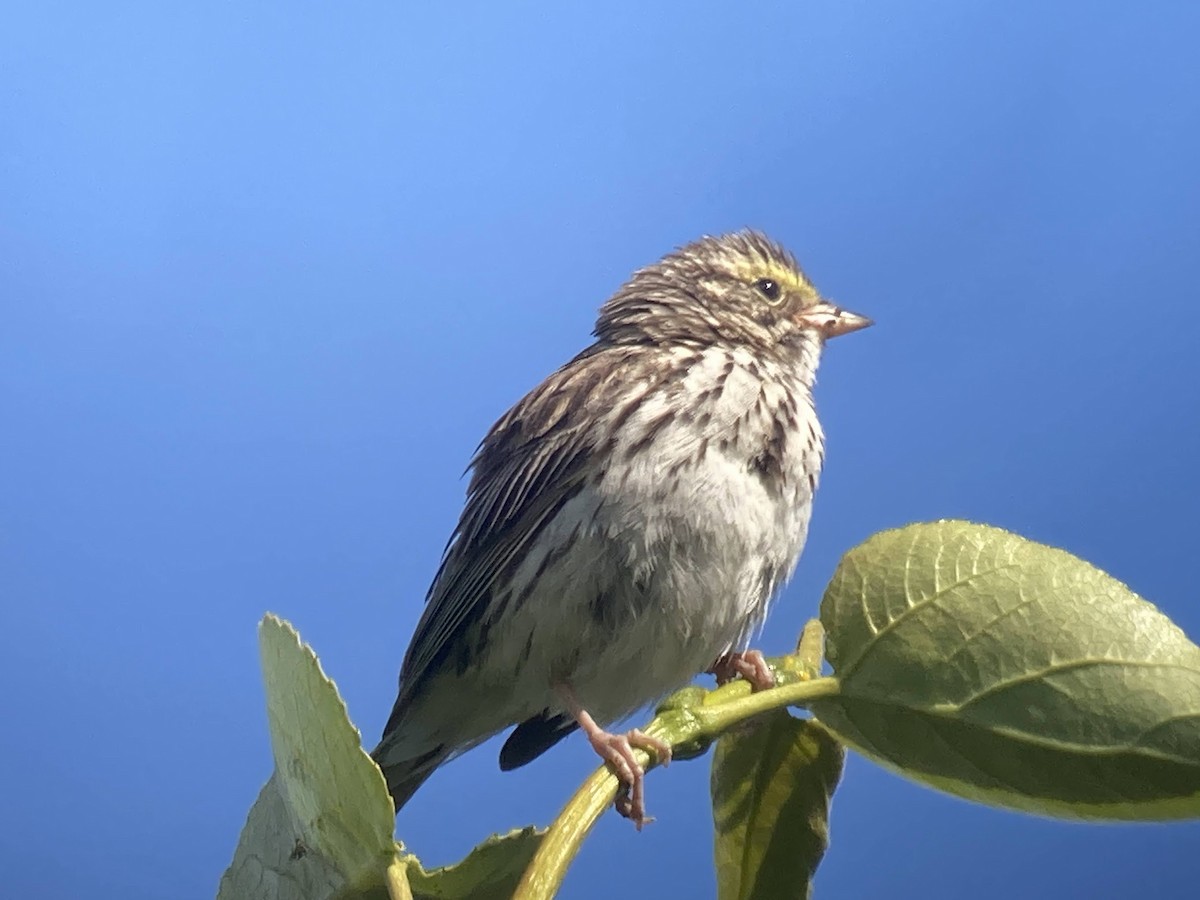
[831, 320]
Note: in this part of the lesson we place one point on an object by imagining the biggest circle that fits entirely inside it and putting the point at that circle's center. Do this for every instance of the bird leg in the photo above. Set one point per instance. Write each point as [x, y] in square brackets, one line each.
[751, 665]
[617, 751]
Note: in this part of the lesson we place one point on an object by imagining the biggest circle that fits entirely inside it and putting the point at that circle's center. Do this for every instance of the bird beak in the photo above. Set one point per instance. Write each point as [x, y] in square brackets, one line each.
[831, 320]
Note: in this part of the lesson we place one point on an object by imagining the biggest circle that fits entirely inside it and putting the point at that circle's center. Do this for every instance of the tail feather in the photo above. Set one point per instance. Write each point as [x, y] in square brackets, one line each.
[405, 776]
[533, 737]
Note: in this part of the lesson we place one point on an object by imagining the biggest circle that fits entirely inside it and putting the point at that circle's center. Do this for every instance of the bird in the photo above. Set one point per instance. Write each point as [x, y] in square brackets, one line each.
[628, 522]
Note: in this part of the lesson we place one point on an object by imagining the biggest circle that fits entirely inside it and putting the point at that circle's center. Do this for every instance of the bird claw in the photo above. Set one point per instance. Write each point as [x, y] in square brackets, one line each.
[618, 751]
[750, 665]
[630, 803]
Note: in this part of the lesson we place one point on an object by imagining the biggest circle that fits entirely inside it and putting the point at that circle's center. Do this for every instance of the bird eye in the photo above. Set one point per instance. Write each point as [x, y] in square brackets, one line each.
[769, 288]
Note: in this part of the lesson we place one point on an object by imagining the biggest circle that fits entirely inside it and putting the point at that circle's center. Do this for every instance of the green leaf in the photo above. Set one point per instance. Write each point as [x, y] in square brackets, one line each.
[322, 825]
[1012, 673]
[489, 872]
[771, 786]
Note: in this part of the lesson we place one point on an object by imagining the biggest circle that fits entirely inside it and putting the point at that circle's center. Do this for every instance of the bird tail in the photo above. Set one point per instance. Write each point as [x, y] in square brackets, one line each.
[404, 776]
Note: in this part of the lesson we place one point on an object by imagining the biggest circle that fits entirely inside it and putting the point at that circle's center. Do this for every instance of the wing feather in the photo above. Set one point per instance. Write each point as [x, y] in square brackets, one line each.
[534, 459]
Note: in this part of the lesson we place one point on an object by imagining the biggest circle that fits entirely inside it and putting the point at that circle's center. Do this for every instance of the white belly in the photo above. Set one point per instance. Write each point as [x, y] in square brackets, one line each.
[675, 557]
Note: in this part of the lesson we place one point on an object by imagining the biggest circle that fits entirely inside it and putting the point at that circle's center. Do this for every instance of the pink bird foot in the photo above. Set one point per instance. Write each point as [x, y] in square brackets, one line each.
[618, 751]
[750, 665]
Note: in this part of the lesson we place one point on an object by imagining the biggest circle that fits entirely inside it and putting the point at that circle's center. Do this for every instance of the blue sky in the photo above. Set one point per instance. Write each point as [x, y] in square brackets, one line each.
[268, 271]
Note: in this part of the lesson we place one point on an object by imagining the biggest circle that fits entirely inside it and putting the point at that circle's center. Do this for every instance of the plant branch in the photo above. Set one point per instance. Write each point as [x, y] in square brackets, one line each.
[689, 721]
[397, 880]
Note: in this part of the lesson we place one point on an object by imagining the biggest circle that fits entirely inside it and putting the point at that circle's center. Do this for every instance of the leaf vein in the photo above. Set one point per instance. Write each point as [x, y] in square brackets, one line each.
[1057, 668]
[913, 608]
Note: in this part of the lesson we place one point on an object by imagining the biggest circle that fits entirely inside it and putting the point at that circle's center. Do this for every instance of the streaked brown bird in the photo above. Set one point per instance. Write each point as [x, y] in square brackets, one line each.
[629, 521]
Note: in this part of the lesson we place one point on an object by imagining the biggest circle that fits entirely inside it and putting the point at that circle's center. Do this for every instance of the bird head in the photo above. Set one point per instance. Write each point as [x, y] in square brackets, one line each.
[740, 289]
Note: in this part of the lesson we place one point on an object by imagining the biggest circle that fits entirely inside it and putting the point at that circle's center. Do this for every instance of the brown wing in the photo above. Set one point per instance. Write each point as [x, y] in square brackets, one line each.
[532, 461]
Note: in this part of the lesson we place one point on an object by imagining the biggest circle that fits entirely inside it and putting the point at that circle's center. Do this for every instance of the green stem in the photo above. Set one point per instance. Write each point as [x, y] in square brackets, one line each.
[562, 841]
[720, 717]
[396, 879]
[689, 726]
